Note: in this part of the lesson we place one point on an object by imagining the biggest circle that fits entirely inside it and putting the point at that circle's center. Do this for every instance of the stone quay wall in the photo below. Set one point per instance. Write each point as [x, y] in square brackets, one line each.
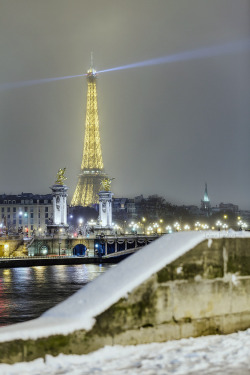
[205, 291]
[15, 247]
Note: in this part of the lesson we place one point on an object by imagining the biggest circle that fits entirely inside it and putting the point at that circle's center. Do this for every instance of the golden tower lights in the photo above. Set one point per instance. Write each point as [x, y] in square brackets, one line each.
[92, 171]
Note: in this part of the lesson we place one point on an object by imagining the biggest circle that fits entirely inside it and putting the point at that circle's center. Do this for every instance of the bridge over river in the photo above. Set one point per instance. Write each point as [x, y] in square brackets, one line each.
[70, 250]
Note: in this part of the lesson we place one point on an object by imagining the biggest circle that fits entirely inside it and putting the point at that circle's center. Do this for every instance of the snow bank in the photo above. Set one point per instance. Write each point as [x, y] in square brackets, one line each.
[223, 354]
[79, 311]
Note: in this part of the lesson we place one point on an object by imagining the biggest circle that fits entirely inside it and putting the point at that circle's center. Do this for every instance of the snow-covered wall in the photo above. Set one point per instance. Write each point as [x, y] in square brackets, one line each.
[182, 285]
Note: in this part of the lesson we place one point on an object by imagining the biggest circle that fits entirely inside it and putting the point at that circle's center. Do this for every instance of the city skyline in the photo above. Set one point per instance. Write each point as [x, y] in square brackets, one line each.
[165, 129]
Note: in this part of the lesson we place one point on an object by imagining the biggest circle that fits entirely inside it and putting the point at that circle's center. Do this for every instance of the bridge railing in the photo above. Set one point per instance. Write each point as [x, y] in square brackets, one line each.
[41, 257]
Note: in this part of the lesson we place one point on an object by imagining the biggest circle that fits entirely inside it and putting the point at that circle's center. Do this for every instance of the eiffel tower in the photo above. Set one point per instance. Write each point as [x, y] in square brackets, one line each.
[92, 171]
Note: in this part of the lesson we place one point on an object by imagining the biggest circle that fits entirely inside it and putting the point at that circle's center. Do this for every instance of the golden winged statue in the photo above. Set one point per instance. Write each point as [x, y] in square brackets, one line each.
[106, 183]
[60, 176]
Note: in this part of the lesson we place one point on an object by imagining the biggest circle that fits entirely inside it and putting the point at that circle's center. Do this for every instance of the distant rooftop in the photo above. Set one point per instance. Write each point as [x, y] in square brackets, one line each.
[25, 198]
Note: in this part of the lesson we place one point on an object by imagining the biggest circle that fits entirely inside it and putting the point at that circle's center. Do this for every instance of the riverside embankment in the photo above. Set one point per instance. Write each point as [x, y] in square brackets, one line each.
[181, 285]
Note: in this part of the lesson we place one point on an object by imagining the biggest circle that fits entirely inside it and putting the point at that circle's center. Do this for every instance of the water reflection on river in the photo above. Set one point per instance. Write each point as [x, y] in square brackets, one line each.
[25, 293]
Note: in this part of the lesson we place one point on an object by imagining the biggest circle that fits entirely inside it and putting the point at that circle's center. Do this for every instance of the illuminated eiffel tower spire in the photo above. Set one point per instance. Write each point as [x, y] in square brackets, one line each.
[88, 186]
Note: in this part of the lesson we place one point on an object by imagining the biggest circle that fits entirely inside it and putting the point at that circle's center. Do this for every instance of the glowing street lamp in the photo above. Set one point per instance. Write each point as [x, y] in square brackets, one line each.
[218, 224]
[177, 226]
[244, 226]
[205, 226]
[6, 248]
[143, 221]
[169, 228]
[159, 230]
[150, 229]
[197, 225]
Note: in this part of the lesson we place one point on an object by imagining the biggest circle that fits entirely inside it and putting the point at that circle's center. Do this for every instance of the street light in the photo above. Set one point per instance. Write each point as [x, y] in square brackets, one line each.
[159, 230]
[169, 228]
[205, 226]
[244, 226]
[59, 240]
[197, 225]
[59, 243]
[149, 230]
[218, 224]
[143, 220]
[6, 248]
[177, 226]
[80, 225]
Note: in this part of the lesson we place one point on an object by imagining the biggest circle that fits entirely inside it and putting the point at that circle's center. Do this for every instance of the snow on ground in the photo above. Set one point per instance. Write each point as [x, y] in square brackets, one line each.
[217, 355]
[79, 310]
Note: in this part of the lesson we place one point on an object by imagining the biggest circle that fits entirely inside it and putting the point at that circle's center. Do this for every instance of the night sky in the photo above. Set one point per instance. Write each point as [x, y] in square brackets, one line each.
[165, 129]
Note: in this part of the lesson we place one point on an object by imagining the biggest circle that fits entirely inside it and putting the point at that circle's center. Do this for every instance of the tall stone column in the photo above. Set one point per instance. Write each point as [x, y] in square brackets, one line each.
[105, 209]
[59, 193]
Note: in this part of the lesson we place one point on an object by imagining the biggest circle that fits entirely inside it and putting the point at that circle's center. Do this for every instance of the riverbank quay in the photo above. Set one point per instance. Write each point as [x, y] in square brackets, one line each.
[57, 260]
[93, 246]
[181, 285]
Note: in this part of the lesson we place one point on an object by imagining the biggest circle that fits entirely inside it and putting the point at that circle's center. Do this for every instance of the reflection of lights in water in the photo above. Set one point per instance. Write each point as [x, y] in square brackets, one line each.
[38, 271]
[38, 268]
[60, 273]
[24, 299]
[22, 273]
[7, 276]
[4, 303]
[88, 272]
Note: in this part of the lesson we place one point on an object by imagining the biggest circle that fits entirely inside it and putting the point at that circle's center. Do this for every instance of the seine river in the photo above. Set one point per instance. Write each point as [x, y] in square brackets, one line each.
[25, 293]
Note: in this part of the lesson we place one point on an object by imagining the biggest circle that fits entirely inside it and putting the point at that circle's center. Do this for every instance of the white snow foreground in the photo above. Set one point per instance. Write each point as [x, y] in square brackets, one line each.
[79, 311]
[217, 355]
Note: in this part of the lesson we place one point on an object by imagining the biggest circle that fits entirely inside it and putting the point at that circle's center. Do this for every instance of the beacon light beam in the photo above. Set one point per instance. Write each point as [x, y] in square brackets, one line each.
[202, 53]
[15, 85]
[213, 51]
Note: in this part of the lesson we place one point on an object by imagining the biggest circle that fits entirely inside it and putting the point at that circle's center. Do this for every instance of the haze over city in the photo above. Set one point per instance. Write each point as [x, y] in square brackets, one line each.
[165, 129]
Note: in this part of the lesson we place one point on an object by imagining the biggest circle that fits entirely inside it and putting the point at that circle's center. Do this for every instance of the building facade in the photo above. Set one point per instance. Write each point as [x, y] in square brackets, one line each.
[25, 213]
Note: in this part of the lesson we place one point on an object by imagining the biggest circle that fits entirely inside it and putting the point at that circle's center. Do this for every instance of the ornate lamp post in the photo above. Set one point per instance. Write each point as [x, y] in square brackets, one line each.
[218, 224]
